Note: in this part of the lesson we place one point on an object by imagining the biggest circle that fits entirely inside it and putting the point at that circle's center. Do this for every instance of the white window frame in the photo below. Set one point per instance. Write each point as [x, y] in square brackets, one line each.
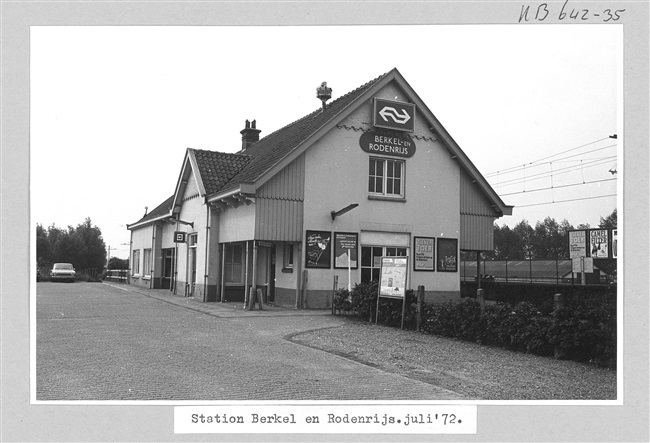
[135, 263]
[146, 263]
[288, 256]
[230, 263]
[385, 179]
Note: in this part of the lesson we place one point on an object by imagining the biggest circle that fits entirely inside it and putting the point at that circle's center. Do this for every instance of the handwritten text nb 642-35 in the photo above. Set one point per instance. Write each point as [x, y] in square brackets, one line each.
[540, 12]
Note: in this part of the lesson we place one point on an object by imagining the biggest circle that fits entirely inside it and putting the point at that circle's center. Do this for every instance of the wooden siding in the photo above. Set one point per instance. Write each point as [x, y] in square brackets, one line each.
[476, 232]
[279, 204]
[472, 200]
[288, 184]
[476, 217]
[278, 220]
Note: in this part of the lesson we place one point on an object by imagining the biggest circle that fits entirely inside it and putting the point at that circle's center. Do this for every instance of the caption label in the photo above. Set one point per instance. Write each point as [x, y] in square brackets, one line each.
[380, 419]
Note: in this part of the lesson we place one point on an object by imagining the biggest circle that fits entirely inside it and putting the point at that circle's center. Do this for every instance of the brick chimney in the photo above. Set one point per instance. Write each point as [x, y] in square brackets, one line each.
[249, 135]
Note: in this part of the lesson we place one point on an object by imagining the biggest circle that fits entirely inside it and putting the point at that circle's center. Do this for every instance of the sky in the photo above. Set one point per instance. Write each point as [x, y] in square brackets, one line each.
[113, 109]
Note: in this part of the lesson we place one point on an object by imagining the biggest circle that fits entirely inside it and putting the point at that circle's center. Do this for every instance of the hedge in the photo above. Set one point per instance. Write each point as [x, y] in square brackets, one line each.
[583, 330]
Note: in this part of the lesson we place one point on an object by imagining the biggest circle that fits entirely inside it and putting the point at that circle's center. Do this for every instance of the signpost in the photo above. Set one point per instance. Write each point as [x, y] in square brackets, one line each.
[392, 281]
[346, 244]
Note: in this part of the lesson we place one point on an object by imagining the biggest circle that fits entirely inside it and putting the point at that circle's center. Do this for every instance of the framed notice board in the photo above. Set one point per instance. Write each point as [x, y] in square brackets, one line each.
[447, 254]
[423, 248]
[318, 251]
[346, 244]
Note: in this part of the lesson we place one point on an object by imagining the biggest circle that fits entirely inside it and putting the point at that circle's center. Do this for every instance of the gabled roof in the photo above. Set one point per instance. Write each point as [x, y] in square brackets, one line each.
[160, 212]
[273, 152]
[273, 148]
[218, 168]
[212, 170]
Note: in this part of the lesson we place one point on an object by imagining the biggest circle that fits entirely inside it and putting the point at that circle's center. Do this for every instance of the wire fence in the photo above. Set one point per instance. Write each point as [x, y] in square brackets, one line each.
[557, 271]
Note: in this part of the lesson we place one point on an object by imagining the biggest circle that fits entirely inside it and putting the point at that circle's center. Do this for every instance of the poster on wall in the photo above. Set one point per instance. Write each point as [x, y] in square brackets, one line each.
[448, 254]
[424, 255]
[577, 244]
[599, 243]
[319, 249]
[346, 245]
[392, 280]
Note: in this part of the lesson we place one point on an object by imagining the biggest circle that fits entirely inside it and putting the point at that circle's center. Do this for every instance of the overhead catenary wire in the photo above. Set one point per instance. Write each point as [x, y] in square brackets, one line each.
[545, 174]
[558, 187]
[569, 200]
[537, 162]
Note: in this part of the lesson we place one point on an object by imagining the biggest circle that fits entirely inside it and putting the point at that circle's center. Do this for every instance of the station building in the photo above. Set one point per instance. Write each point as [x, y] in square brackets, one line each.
[369, 174]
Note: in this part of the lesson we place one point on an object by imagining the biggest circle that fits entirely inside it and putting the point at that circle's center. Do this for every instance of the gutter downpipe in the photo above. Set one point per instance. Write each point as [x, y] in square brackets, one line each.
[128, 272]
[298, 273]
[151, 257]
[223, 272]
[207, 256]
[176, 262]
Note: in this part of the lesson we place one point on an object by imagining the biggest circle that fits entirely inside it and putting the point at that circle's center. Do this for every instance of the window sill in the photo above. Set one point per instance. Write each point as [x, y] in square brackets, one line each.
[387, 199]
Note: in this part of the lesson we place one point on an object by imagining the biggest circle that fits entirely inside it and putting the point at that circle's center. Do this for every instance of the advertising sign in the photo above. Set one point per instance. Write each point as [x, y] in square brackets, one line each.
[614, 243]
[390, 114]
[598, 243]
[577, 244]
[179, 237]
[424, 255]
[392, 280]
[346, 245]
[387, 143]
[447, 255]
[319, 249]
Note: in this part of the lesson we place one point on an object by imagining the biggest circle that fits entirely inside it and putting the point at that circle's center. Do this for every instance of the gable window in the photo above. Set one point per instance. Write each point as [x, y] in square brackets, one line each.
[386, 177]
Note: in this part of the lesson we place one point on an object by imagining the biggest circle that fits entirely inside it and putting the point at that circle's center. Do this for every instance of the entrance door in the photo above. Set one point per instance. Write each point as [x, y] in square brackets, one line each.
[266, 270]
[371, 260]
[168, 268]
[192, 240]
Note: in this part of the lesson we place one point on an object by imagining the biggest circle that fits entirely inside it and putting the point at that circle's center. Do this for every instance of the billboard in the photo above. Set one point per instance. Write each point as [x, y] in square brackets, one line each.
[599, 243]
[594, 243]
[577, 244]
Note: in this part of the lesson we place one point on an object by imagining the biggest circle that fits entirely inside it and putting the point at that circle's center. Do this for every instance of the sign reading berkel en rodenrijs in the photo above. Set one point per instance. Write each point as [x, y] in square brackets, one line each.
[387, 143]
[391, 114]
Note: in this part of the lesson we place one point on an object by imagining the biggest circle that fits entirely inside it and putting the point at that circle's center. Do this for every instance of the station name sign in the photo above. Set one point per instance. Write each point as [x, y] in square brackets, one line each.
[390, 114]
[395, 144]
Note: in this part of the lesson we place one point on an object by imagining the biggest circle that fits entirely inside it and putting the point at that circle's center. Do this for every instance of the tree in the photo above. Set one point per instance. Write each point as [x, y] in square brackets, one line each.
[90, 247]
[609, 221]
[82, 246]
[525, 233]
[117, 263]
[507, 244]
[550, 239]
[43, 250]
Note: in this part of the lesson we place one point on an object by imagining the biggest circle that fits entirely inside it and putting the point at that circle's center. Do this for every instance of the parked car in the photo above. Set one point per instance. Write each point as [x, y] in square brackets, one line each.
[62, 272]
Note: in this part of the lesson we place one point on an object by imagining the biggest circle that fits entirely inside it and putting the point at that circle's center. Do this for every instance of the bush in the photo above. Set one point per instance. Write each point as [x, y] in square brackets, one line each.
[582, 334]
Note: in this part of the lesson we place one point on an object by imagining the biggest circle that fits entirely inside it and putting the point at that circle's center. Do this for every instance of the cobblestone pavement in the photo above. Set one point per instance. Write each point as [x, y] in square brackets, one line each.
[115, 342]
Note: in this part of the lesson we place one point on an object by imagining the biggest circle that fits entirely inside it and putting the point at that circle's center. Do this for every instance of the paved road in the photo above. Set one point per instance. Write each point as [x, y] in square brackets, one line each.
[113, 342]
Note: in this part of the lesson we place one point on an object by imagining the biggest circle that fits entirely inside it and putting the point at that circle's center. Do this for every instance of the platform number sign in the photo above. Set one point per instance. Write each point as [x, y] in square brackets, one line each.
[179, 237]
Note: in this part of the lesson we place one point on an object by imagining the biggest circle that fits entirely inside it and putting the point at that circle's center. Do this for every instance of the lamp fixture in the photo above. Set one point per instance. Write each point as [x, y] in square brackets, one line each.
[344, 210]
